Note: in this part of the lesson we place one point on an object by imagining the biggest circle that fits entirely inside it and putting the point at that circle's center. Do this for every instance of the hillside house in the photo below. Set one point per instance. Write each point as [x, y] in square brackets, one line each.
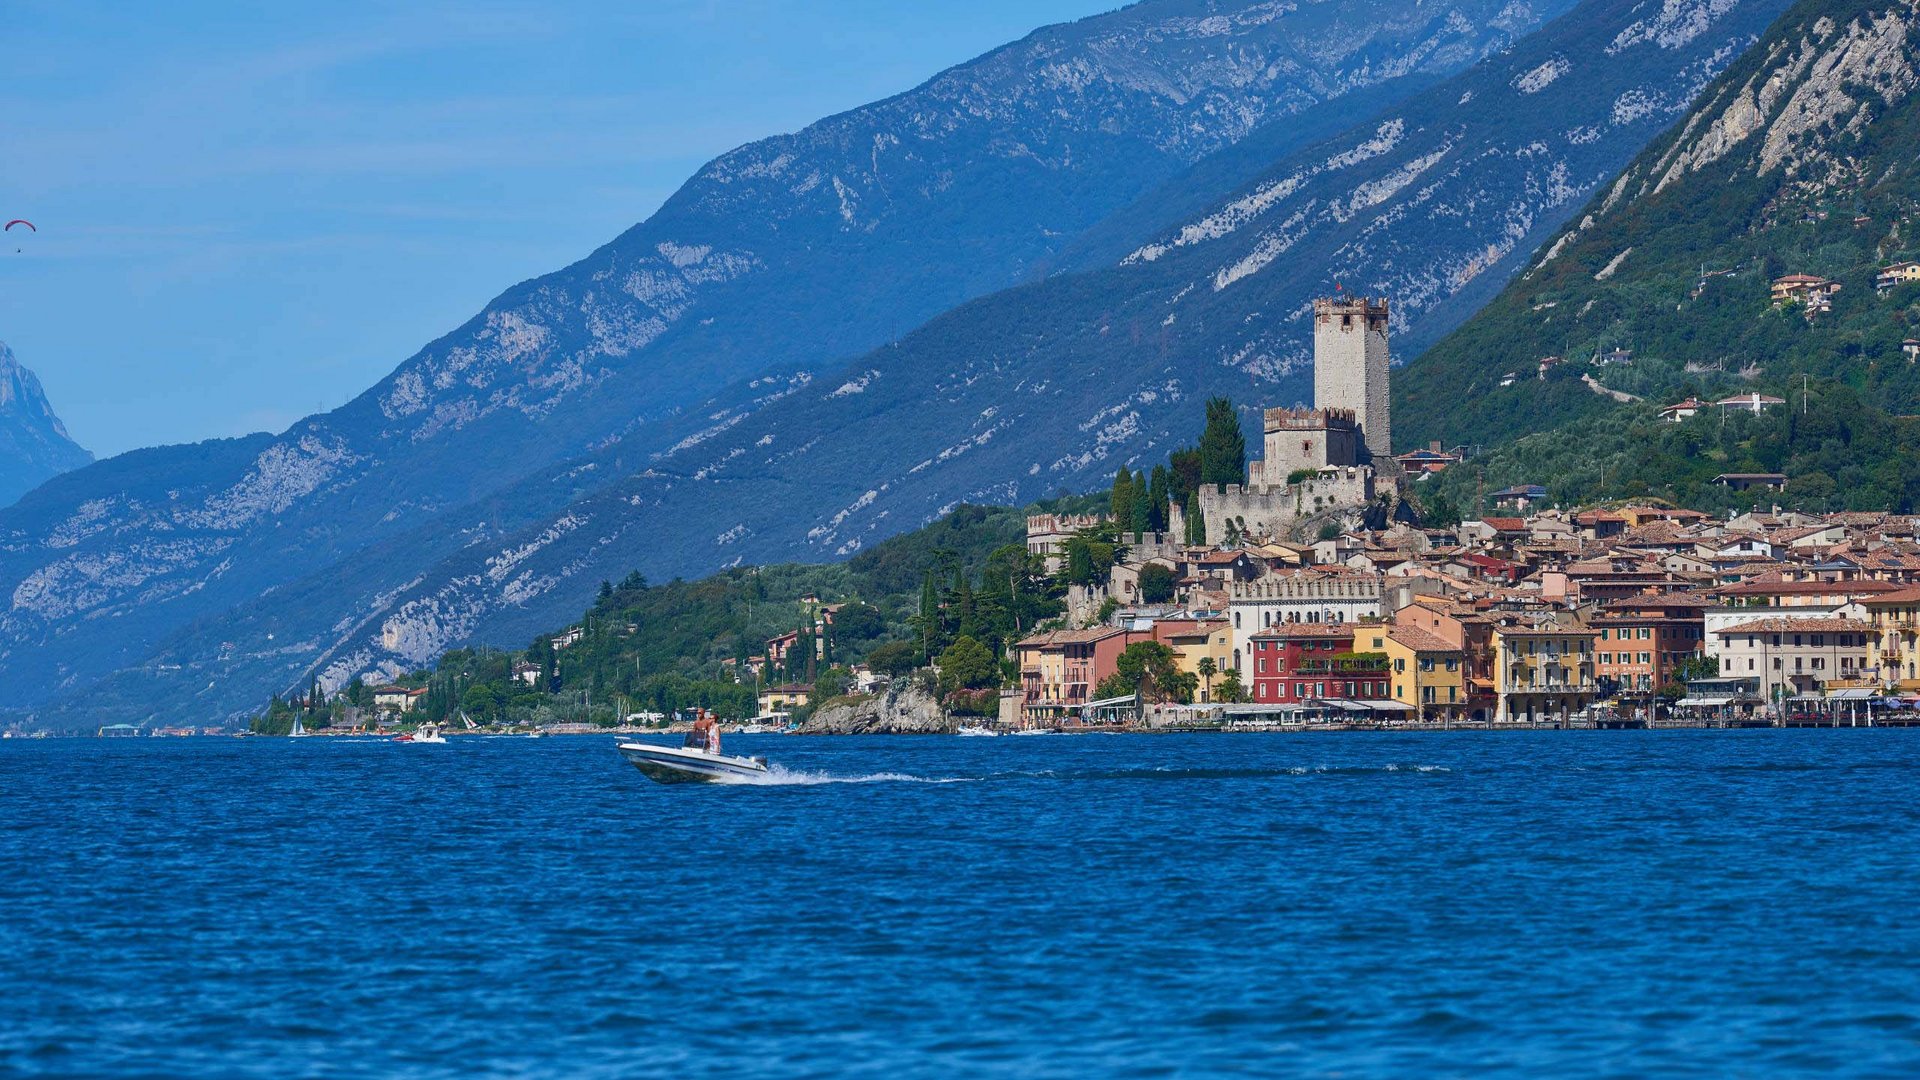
[1900, 273]
[1755, 403]
[397, 698]
[1682, 410]
[1747, 481]
[1810, 289]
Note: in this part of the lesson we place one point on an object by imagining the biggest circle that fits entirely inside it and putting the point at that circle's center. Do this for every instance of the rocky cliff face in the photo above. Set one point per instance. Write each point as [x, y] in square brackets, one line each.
[767, 271]
[900, 710]
[34, 444]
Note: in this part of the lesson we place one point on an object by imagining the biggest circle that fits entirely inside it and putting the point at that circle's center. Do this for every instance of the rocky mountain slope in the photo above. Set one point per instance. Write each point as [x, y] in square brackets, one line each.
[1799, 160]
[774, 265]
[1048, 385]
[34, 444]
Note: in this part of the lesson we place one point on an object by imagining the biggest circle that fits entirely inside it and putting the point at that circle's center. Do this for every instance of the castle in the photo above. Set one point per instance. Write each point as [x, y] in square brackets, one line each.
[1321, 459]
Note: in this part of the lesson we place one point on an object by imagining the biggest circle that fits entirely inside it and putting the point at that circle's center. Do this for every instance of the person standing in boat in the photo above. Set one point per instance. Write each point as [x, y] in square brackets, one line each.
[705, 734]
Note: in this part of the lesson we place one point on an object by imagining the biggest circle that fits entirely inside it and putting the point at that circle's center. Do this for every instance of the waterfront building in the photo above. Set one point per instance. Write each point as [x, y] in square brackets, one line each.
[1792, 657]
[1642, 639]
[1894, 618]
[1542, 669]
[1308, 666]
[1060, 668]
[1427, 672]
[1314, 595]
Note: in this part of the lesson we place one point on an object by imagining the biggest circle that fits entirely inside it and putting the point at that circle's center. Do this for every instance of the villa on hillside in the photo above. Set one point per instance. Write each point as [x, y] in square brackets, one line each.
[1901, 273]
[1683, 410]
[1810, 289]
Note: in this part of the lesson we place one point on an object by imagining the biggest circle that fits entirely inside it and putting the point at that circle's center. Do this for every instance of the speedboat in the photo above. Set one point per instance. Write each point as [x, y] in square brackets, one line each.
[976, 731]
[425, 733]
[691, 765]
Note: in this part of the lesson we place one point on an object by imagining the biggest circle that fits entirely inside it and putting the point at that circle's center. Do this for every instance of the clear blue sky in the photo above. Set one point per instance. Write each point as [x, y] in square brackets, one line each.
[249, 212]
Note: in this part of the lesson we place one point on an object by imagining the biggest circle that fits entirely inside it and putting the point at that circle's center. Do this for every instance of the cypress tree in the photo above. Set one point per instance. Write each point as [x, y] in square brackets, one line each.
[1158, 492]
[1223, 449]
[1196, 528]
[1120, 503]
[1142, 516]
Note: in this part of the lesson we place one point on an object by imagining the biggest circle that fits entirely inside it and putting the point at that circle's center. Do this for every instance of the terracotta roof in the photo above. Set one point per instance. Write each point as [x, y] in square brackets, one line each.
[1802, 626]
[1505, 524]
[1806, 588]
[1900, 595]
[1420, 640]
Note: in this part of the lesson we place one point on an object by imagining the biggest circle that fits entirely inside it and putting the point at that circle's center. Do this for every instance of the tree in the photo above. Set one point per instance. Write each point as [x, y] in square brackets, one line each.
[1231, 691]
[1120, 501]
[1196, 526]
[968, 665]
[1330, 530]
[832, 683]
[1148, 667]
[1223, 449]
[1159, 490]
[1156, 584]
[1183, 467]
[1208, 669]
[1441, 513]
[894, 659]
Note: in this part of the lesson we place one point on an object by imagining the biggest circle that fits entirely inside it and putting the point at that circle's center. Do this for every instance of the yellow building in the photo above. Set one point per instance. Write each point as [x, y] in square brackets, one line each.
[776, 699]
[1542, 671]
[1193, 640]
[1428, 671]
[1891, 644]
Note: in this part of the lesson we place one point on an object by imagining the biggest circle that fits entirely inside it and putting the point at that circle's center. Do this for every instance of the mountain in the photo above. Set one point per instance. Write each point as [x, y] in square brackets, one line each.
[34, 444]
[1048, 385]
[775, 265]
[1799, 160]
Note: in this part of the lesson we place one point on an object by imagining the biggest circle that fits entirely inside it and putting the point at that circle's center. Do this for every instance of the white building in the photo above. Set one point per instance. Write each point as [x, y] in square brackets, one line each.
[1790, 656]
[1335, 595]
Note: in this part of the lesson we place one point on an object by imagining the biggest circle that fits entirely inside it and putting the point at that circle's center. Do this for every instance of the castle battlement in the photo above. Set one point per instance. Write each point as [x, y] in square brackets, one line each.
[1302, 419]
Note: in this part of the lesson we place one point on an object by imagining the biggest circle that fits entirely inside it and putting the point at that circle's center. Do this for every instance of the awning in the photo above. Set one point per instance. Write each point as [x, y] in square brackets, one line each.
[1704, 701]
[1853, 693]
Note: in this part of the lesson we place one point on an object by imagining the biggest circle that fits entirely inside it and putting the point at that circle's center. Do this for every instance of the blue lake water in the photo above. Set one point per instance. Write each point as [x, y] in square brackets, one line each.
[1586, 903]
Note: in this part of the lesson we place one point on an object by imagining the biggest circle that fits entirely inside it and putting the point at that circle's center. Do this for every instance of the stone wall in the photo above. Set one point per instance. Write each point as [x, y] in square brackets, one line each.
[1272, 512]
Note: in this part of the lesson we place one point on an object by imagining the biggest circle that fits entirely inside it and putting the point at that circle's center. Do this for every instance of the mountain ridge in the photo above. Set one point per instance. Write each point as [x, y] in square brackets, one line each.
[967, 408]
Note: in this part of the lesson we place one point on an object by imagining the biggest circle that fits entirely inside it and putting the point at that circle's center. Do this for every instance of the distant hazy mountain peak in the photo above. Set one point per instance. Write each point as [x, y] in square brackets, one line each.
[34, 444]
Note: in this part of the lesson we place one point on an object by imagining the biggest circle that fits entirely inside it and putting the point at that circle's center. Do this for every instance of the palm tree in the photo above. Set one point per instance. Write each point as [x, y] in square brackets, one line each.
[1207, 668]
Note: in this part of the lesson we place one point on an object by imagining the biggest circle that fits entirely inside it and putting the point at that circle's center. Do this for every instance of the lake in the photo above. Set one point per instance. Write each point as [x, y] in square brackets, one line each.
[1564, 902]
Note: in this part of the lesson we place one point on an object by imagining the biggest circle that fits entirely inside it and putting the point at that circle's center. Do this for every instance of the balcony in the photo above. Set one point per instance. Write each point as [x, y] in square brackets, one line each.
[1550, 688]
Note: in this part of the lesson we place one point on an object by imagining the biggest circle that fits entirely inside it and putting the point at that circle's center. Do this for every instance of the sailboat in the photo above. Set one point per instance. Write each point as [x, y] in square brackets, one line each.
[299, 730]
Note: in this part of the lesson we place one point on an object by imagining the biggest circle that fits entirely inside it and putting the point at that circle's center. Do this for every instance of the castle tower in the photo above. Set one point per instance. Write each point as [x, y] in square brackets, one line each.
[1350, 365]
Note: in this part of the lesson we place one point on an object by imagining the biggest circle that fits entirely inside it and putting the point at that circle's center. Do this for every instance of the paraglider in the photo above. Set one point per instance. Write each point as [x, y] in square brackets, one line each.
[19, 221]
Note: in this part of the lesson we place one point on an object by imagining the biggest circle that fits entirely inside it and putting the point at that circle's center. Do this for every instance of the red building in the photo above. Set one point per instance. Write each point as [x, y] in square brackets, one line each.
[1297, 663]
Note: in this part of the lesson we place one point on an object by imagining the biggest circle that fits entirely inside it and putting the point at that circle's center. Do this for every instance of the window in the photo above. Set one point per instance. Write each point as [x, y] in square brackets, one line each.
[1818, 640]
[1646, 658]
[1646, 632]
[1819, 663]
[1776, 663]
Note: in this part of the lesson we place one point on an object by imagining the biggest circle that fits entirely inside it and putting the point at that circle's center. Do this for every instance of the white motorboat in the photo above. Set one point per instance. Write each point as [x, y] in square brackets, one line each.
[697, 761]
[976, 731]
[425, 733]
[691, 765]
[1032, 731]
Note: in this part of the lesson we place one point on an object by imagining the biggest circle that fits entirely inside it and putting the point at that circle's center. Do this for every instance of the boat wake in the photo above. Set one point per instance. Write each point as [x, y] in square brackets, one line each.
[779, 776]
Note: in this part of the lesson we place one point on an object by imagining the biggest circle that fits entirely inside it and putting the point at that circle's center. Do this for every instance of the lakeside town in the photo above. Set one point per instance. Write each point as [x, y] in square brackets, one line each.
[1308, 593]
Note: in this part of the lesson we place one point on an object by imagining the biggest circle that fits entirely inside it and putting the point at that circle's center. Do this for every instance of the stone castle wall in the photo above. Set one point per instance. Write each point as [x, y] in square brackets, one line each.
[1272, 511]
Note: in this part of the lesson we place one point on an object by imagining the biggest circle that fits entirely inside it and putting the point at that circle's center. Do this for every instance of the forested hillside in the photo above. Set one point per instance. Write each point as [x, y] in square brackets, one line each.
[1800, 160]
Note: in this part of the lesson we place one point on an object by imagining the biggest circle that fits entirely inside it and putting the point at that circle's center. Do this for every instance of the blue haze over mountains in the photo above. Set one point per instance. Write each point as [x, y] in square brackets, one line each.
[1006, 282]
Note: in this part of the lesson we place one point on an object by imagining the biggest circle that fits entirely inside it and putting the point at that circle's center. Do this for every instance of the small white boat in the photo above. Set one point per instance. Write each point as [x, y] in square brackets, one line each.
[425, 733]
[690, 765]
[697, 761]
[1033, 731]
[976, 731]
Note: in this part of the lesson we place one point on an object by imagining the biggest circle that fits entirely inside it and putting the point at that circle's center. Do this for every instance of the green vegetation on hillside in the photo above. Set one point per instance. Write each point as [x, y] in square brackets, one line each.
[1681, 280]
[964, 582]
